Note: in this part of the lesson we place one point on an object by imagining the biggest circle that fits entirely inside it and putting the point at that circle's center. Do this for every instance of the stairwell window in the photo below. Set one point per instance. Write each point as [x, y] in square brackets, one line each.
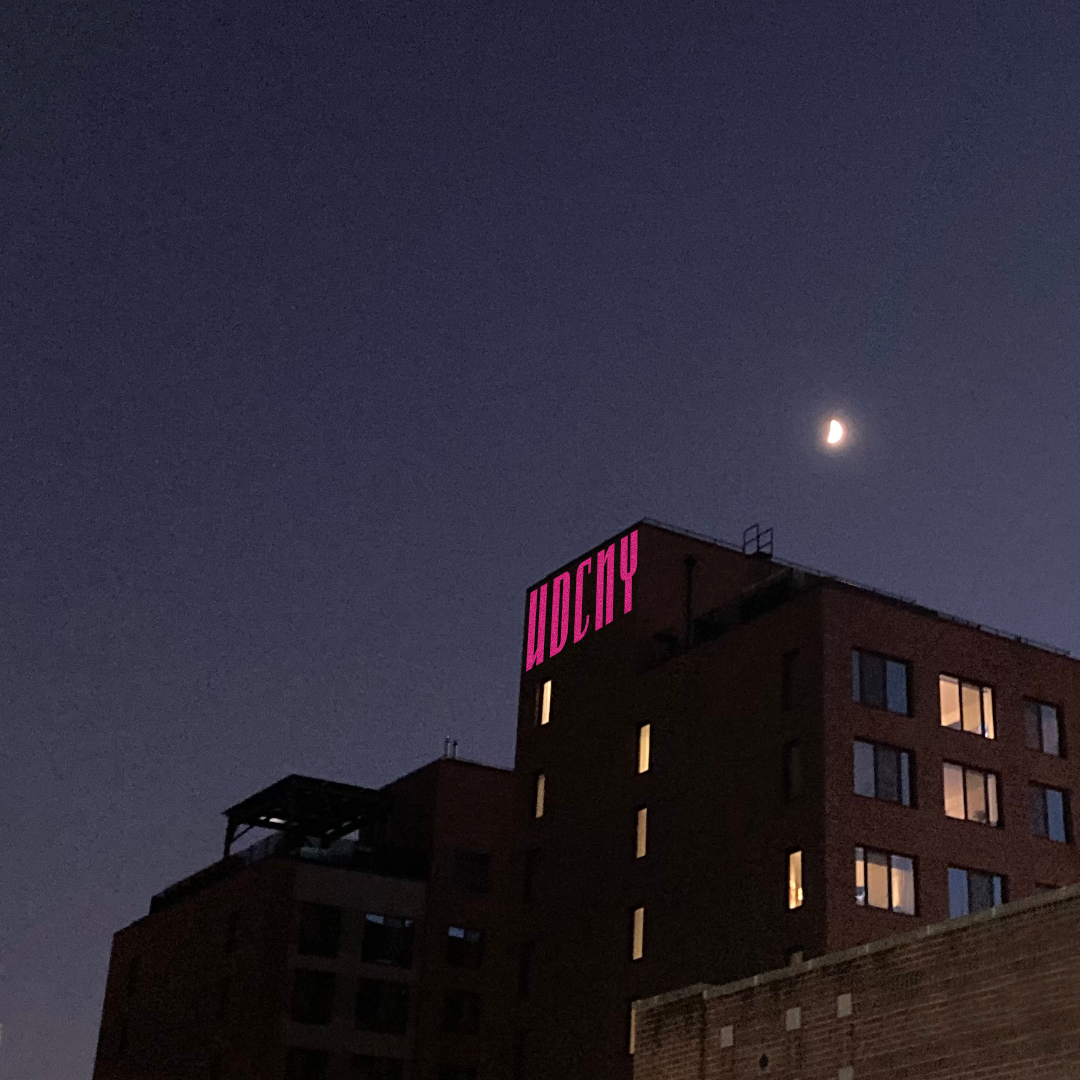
[795, 881]
[642, 832]
[644, 747]
[637, 945]
[538, 800]
[543, 703]
[966, 706]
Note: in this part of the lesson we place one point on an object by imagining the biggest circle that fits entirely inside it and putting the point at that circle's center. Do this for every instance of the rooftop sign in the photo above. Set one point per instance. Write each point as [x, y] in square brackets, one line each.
[586, 587]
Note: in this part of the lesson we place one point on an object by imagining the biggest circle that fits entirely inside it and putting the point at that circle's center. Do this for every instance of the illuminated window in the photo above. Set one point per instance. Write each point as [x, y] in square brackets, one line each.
[966, 706]
[1048, 809]
[643, 740]
[1041, 728]
[637, 948]
[879, 681]
[794, 880]
[633, 1028]
[883, 772]
[974, 890]
[543, 703]
[538, 805]
[642, 829]
[883, 880]
[971, 795]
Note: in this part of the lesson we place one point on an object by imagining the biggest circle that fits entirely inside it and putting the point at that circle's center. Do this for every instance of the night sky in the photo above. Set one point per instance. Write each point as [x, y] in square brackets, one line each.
[326, 328]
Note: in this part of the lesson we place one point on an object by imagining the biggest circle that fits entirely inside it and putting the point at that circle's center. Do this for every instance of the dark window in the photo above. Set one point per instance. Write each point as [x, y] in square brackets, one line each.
[461, 1011]
[793, 770]
[1049, 813]
[879, 681]
[472, 871]
[971, 795]
[884, 880]
[789, 677]
[966, 706]
[1042, 731]
[388, 939]
[319, 930]
[528, 881]
[313, 997]
[365, 1067]
[525, 965]
[464, 947]
[883, 772]
[457, 1072]
[382, 1006]
[304, 1064]
[230, 931]
[974, 890]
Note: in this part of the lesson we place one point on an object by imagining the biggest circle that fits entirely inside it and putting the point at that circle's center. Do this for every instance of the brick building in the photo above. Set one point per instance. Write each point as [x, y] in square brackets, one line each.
[362, 938]
[995, 994]
[733, 763]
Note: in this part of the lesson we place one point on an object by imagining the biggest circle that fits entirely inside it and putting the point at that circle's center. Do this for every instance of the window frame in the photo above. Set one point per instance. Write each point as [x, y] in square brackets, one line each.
[539, 795]
[469, 954]
[637, 934]
[999, 887]
[644, 748]
[857, 681]
[1066, 816]
[986, 775]
[862, 851]
[904, 757]
[796, 890]
[641, 832]
[542, 704]
[985, 732]
[1041, 747]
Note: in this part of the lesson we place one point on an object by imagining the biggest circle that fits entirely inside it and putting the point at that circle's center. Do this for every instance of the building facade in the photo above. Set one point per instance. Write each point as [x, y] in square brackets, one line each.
[362, 939]
[993, 994]
[747, 763]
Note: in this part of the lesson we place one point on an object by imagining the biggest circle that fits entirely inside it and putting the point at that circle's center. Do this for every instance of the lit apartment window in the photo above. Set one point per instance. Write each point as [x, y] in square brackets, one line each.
[642, 830]
[637, 947]
[971, 794]
[643, 740]
[538, 802]
[1041, 728]
[1048, 809]
[543, 703]
[793, 770]
[879, 681]
[883, 772]
[966, 706]
[794, 880]
[633, 1028]
[884, 880]
[974, 890]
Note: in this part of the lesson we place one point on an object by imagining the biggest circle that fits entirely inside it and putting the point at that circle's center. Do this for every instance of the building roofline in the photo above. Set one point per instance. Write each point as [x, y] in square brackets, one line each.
[469, 762]
[844, 956]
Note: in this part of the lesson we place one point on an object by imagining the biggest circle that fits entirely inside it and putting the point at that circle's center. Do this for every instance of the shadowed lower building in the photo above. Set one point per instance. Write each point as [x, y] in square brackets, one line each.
[361, 939]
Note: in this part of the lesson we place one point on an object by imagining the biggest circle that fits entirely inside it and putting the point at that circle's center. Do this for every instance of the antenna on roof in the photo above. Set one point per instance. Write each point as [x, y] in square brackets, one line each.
[449, 749]
[757, 541]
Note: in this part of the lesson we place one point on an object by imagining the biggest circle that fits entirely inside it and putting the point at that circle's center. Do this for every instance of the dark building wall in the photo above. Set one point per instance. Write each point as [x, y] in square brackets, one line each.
[991, 995]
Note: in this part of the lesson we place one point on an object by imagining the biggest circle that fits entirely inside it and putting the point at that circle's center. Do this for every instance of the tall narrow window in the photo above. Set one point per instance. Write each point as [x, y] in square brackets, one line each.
[538, 803]
[1042, 730]
[879, 681]
[544, 703]
[643, 747]
[794, 879]
[884, 880]
[637, 947]
[971, 794]
[1049, 813]
[793, 770]
[974, 890]
[642, 830]
[966, 706]
[633, 1028]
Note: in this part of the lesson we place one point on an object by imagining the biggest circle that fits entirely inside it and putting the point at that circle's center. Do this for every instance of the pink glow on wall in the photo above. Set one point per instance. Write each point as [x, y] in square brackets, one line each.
[603, 590]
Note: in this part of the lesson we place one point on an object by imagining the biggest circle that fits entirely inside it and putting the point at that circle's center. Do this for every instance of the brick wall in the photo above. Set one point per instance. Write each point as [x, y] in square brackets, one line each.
[993, 995]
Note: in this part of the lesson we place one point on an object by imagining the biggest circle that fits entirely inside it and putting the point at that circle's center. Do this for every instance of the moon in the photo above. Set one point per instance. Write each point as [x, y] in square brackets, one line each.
[836, 433]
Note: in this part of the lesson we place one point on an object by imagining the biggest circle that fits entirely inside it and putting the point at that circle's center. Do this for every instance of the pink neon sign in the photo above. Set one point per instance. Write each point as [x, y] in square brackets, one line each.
[601, 587]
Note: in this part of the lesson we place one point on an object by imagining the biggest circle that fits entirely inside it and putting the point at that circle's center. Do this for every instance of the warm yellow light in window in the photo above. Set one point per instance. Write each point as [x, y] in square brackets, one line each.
[638, 950]
[642, 827]
[545, 703]
[541, 783]
[643, 748]
[795, 889]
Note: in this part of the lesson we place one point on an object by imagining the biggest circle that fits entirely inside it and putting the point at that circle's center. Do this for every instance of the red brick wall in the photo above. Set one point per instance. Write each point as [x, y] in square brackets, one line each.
[993, 995]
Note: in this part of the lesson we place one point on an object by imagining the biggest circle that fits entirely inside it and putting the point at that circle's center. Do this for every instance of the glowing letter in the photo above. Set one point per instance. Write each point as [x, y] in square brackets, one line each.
[579, 630]
[560, 612]
[534, 654]
[627, 571]
[605, 560]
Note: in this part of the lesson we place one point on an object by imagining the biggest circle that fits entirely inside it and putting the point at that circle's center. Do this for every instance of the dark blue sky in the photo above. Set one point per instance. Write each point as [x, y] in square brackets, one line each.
[325, 328]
